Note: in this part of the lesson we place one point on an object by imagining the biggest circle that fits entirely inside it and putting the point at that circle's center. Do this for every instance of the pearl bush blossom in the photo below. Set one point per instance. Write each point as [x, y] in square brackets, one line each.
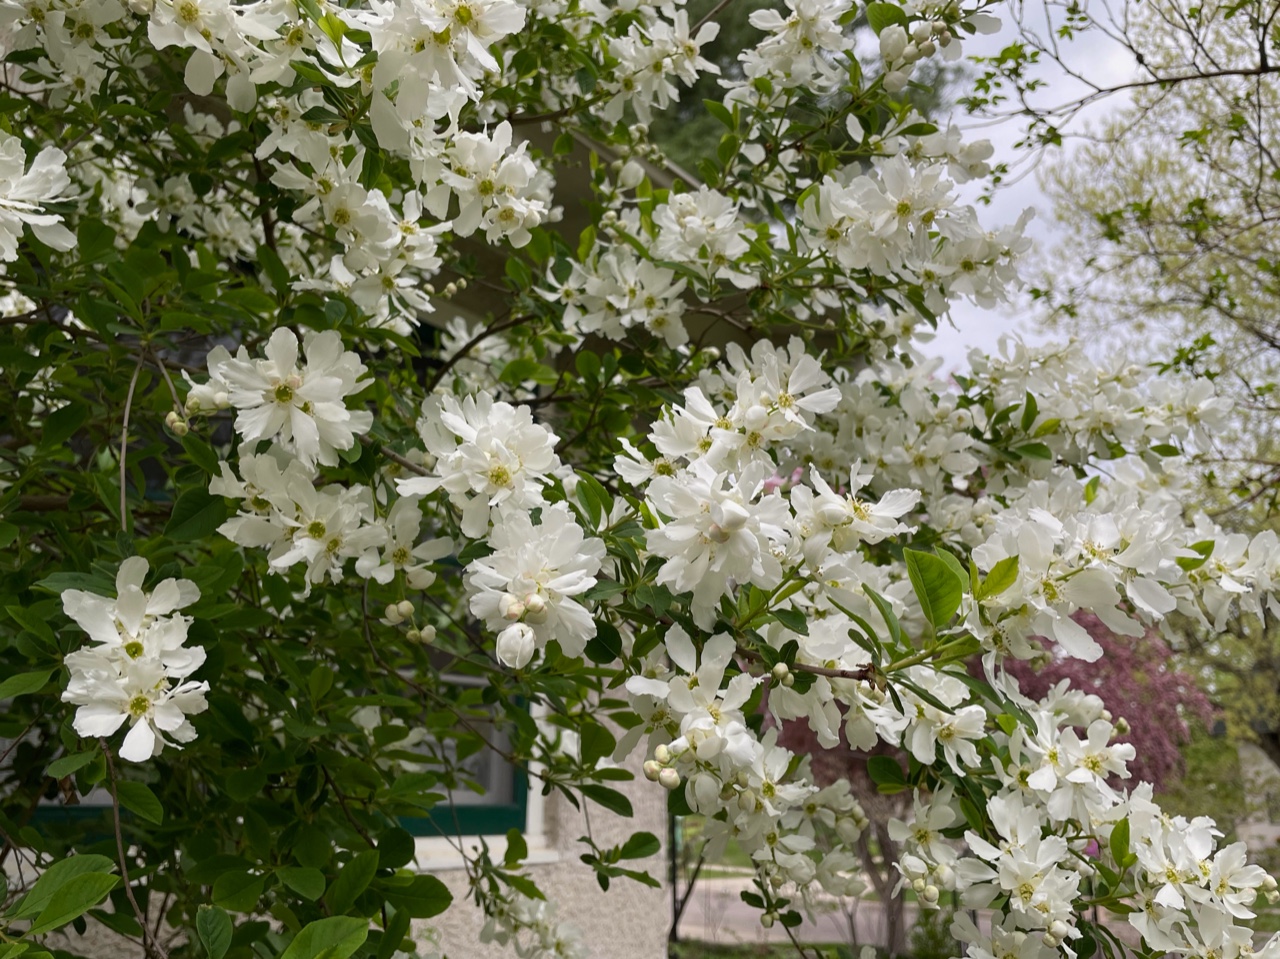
[450, 437]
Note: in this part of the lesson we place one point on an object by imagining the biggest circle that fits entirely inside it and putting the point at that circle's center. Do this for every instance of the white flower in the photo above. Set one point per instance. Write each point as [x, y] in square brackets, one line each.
[303, 407]
[489, 456]
[531, 577]
[23, 193]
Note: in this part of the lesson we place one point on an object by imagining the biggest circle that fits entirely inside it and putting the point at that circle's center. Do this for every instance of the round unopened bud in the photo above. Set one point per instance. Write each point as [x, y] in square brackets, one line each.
[404, 608]
[911, 53]
[918, 885]
[788, 680]
[429, 289]
[616, 166]
[921, 31]
[1269, 883]
[450, 289]
[669, 778]
[652, 770]
[609, 217]
[895, 81]
[747, 800]
[938, 27]
[781, 671]
[192, 405]
[176, 423]
[1122, 726]
[427, 634]
[930, 894]
[756, 417]
[712, 353]
[639, 129]
[510, 608]
[221, 399]
[768, 919]
[1050, 940]
[944, 39]
[413, 635]
[462, 283]
[392, 613]
[1106, 714]
[945, 874]
[718, 534]
[662, 754]
[535, 608]
[928, 48]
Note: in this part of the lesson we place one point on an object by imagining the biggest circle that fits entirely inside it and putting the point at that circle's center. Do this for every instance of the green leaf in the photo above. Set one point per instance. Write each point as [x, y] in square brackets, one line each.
[334, 938]
[73, 899]
[517, 849]
[137, 798]
[307, 883]
[936, 584]
[196, 515]
[421, 897]
[69, 764]
[886, 613]
[881, 15]
[62, 423]
[611, 799]
[641, 845]
[53, 879]
[595, 742]
[1003, 575]
[213, 926]
[720, 112]
[793, 619]
[1030, 410]
[885, 771]
[352, 880]
[237, 891]
[24, 684]
[1120, 843]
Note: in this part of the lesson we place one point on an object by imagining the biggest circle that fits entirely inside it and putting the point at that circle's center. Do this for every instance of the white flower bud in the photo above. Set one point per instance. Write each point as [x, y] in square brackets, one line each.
[652, 770]
[921, 31]
[929, 894]
[176, 423]
[405, 608]
[427, 634]
[221, 399]
[895, 81]
[910, 53]
[756, 417]
[462, 283]
[616, 166]
[918, 885]
[788, 680]
[767, 920]
[450, 289]
[662, 754]
[1050, 940]
[510, 608]
[1122, 726]
[392, 613]
[535, 609]
[516, 645]
[781, 671]
[728, 515]
[631, 176]
[893, 40]
[747, 800]
[413, 636]
[669, 778]
[928, 48]
[712, 353]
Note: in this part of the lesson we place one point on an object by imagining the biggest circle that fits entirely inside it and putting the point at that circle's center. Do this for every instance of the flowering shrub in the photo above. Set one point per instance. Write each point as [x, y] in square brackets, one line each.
[357, 351]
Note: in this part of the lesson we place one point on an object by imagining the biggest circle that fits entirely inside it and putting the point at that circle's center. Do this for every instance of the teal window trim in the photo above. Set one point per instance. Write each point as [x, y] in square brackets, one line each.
[452, 819]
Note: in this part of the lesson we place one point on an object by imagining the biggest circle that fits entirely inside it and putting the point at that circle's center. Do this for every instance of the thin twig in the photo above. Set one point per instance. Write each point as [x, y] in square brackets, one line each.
[151, 947]
[124, 448]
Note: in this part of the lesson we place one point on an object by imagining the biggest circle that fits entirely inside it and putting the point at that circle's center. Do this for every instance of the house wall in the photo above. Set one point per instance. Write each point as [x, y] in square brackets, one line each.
[630, 921]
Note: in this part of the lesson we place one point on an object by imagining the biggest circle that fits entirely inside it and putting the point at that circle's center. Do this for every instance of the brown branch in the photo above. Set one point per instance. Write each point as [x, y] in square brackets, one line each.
[149, 945]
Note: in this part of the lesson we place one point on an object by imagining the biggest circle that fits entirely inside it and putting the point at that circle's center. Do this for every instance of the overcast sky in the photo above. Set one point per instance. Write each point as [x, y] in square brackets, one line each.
[1098, 59]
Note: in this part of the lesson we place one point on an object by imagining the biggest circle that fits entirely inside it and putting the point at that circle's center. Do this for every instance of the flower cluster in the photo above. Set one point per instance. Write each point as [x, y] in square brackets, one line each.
[138, 668]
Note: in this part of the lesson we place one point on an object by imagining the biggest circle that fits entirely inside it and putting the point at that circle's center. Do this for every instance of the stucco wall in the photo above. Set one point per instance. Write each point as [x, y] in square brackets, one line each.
[630, 921]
